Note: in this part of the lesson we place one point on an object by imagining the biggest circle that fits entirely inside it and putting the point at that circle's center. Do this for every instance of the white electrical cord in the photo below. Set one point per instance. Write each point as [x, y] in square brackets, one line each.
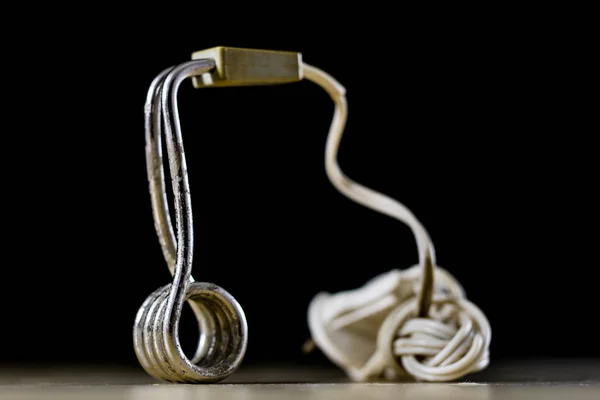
[415, 321]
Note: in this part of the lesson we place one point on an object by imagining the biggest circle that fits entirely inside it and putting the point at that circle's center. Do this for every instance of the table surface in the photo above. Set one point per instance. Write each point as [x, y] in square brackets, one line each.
[547, 379]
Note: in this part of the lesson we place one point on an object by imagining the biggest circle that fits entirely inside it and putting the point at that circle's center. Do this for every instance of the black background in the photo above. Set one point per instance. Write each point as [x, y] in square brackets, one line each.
[483, 129]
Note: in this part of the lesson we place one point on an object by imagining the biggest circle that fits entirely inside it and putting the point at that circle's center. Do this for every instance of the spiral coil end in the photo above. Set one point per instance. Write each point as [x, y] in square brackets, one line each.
[221, 346]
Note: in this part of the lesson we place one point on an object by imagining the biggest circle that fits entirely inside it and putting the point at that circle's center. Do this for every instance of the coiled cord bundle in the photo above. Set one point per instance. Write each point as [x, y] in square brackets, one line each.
[221, 320]
[414, 323]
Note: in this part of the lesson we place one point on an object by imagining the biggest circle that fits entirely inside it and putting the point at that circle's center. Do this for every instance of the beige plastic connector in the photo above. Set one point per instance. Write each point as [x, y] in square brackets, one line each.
[243, 67]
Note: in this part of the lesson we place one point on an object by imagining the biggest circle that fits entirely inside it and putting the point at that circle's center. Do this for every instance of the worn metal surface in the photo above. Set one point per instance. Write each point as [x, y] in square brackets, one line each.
[222, 323]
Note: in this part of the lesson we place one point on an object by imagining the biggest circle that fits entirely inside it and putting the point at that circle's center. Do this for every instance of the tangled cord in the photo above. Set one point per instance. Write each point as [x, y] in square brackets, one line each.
[415, 323]
[221, 320]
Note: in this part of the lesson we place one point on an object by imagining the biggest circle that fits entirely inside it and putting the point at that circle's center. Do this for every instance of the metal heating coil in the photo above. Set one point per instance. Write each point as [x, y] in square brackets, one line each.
[221, 320]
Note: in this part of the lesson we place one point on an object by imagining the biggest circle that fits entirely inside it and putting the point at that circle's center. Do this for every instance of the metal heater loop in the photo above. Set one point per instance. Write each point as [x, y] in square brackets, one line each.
[221, 320]
[222, 323]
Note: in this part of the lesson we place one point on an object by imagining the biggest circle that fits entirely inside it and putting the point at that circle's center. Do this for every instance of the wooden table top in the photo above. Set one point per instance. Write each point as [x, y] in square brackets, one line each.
[551, 379]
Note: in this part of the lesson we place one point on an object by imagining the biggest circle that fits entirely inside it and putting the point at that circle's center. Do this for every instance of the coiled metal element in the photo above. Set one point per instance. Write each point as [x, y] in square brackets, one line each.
[222, 323]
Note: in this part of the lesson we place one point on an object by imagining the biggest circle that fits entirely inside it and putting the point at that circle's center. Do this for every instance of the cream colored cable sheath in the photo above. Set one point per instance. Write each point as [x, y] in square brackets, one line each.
[353, 190]
[451, 342]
